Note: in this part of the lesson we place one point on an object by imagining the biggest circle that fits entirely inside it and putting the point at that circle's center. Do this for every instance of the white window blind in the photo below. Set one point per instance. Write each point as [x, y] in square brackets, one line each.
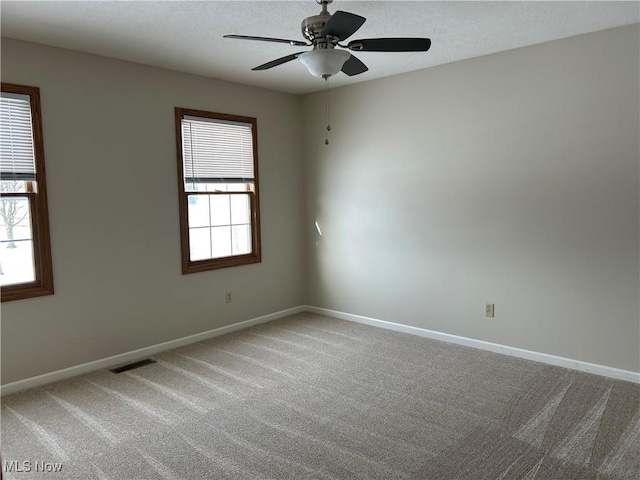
[217, 151]
[17, 161]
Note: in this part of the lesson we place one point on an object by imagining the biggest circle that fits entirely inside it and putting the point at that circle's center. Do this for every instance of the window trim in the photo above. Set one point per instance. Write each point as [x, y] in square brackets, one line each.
[189, 266]
[43, 283]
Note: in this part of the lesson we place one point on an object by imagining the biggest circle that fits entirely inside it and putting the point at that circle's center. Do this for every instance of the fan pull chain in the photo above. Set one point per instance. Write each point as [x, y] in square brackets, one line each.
[326, 101]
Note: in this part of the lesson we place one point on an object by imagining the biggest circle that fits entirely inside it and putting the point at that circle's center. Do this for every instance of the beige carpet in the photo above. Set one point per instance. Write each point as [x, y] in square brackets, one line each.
[312, 397]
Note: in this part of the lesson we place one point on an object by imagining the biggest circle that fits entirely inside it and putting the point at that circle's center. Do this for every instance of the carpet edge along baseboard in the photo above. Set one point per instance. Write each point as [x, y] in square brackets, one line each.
[135, 355]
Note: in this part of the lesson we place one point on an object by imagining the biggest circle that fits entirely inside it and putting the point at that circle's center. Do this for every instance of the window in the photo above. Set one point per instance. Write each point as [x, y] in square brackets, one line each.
[218, 185]
[25, 251]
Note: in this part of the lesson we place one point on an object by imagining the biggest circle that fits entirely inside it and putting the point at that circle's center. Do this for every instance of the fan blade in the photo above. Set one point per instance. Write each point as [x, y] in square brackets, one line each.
[353, 66]
[342, 25]
[390, 45]
[268, 39]
[278, 61]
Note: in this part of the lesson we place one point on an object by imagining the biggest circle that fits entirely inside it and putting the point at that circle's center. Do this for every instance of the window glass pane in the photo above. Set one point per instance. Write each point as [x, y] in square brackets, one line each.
[198, 210]
[199, 244]
[239, 209]
[220, 210]
[15, 186]
[237, 187]
[16, 247]
[221, 241]
[241, 239]
[195, 187]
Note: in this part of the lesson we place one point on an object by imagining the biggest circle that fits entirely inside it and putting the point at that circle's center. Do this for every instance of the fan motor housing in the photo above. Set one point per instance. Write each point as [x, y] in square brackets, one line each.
[312, 26]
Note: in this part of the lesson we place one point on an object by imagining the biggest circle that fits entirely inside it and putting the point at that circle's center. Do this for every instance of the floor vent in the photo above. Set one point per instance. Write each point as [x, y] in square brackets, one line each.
[131, 366]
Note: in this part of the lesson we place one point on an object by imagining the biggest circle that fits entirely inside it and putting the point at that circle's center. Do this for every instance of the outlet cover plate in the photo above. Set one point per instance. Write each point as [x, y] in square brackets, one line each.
[489, 310]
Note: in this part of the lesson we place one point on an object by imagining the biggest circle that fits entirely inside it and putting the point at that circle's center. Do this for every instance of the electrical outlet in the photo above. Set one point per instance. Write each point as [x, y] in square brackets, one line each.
[228, 297]
[488, 310]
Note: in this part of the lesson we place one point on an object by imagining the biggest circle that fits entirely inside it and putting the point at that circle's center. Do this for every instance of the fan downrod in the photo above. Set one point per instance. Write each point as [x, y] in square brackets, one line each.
[324, 4]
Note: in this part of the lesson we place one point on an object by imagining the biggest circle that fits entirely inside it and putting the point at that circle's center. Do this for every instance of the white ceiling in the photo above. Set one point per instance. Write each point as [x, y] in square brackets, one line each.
[187, 35]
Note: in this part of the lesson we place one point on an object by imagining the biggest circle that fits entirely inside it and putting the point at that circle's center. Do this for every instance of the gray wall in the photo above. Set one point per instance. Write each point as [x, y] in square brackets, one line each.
[110, 155]
[511, 178]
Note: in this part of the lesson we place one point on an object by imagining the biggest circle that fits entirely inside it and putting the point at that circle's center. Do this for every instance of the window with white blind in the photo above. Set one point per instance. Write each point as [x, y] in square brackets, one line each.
[25, 252]
[218, 185]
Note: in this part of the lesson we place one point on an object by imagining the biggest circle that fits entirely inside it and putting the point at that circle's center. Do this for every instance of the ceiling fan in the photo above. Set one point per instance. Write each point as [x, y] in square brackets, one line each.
[324, 32]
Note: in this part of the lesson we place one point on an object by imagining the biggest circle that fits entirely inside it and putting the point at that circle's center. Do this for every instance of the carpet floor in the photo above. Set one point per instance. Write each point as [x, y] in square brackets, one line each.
[313, 397]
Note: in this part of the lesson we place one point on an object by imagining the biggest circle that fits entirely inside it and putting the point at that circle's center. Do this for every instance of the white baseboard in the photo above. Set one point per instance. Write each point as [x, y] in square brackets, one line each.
[127, 357]
[596, 369]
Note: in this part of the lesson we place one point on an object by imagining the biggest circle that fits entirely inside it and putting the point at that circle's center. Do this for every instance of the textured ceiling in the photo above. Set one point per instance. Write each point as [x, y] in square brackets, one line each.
[187, 35]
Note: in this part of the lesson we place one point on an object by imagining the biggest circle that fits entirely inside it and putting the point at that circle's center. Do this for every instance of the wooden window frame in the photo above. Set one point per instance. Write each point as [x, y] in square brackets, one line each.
[43, 283]
[195, 266]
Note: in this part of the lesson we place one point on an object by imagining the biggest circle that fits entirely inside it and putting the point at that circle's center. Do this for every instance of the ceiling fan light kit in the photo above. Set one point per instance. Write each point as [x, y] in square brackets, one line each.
[324, 32]
[324, 62]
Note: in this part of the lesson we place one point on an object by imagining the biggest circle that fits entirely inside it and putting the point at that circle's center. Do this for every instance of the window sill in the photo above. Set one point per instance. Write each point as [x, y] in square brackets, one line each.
[217, 263]
[25, 290]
